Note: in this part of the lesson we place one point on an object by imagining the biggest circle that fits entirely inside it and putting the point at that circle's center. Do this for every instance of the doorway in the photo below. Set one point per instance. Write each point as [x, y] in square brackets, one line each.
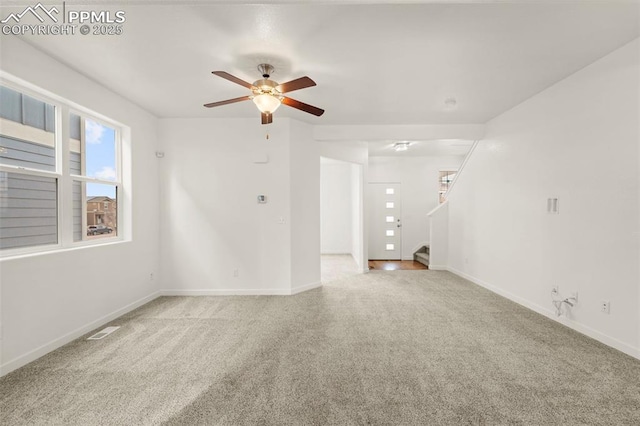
[341, 219]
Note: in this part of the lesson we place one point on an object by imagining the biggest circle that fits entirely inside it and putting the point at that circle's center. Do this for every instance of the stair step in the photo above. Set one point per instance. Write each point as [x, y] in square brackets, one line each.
[422, 258]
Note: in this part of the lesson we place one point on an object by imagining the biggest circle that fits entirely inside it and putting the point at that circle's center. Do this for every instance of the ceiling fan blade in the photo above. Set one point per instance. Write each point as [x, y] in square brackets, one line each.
[302, 106]
[267, 118]
[230, 77]
[299, 83]
[228, 101]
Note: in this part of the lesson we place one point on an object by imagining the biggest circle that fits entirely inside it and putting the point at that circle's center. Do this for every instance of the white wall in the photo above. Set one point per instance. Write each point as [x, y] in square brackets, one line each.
[357, 214]
[357, 154]
[439, 237]
[336, 223]
[419, 179]
[212, 224]
[49, 299]
[578, 141]
[305, 208]
[341, 209]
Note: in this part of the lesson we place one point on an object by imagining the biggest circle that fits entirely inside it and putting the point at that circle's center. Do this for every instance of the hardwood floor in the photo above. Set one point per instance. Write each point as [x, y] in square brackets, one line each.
[395, 265]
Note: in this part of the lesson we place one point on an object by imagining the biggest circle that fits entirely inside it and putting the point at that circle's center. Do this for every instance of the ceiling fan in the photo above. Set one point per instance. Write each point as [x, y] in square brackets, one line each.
[268, 94]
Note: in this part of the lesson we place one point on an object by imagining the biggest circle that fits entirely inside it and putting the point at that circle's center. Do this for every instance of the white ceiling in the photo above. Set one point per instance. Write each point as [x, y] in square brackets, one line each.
[431, 148]
[374, 64]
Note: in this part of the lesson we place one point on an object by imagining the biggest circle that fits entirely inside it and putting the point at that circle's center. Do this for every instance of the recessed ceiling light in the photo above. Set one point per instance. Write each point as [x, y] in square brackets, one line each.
[401, 146]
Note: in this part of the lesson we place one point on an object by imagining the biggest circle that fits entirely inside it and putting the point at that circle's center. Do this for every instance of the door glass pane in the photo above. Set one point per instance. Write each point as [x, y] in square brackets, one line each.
[390, 191]
[390, 204]
[390, 247]
[390, 232]
[390, 219]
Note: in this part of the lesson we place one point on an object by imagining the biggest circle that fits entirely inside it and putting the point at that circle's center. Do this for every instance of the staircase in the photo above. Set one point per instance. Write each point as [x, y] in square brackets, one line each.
[422, 255]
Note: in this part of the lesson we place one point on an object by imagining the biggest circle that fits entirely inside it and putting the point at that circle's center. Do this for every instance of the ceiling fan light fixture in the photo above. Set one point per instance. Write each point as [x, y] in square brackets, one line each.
[266, 103]
[401, 146]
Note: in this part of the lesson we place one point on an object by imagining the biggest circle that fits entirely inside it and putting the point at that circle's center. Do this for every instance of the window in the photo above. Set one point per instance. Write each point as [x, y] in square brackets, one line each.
[93, 154]
[445, 178]
[43, 204]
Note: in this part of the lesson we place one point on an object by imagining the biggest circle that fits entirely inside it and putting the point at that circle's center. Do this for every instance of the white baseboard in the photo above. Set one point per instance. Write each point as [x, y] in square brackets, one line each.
[227, 292]
[549, 313]
[306, 287]
[241, 292]
[61, 341]
[440, 268]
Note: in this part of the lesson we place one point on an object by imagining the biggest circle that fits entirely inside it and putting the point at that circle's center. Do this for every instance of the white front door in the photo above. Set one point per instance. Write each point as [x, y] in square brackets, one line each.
[385, 226]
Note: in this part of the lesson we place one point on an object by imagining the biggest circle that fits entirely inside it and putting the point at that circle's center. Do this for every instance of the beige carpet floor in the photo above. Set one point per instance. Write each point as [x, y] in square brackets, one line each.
[384, 348]
[336, 266]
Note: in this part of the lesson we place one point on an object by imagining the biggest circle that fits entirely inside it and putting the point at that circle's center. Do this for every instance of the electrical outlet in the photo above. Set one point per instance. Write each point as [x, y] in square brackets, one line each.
[151, 276]
[605, 306]
[555, 290]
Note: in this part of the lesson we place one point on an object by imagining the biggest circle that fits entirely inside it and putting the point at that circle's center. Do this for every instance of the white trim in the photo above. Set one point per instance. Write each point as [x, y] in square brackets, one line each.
[337, 252]
[227, 292]
[58, 248]
[241, 291]
[436, 208]
[306, 287]
[69, 337]
[549, 313]
[439, 268]
[41, 94]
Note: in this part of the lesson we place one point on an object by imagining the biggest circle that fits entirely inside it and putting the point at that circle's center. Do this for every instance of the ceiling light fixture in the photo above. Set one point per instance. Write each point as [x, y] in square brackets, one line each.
[266, 103]
[267, 94]
[401, 146]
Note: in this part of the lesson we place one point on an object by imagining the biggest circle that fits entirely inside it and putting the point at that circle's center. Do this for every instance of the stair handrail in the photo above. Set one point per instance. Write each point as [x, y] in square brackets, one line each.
[461, 168]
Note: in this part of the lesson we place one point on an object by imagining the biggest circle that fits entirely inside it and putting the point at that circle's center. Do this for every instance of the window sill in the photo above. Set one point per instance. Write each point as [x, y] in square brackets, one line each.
[40, 251]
